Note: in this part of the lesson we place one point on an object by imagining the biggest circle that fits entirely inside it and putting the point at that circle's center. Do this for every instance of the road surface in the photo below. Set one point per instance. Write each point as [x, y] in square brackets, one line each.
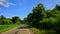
[19, 30]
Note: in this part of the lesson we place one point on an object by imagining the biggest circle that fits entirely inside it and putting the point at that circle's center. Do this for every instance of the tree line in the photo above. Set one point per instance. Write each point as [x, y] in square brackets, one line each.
[7, 21]
[42, 18]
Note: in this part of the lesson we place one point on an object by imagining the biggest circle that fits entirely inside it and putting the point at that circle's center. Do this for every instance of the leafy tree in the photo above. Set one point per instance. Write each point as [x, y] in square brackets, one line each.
[56, 10]
[16, 19]
[48, 13]
[25, 21]
[36, 15]
[48, 23]
[57, 26]
[57, 7]
[4, 20]
[2, 17]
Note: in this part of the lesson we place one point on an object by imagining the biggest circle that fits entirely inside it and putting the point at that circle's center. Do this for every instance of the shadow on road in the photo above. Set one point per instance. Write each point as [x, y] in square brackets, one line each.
[16, 32]
[23, 27]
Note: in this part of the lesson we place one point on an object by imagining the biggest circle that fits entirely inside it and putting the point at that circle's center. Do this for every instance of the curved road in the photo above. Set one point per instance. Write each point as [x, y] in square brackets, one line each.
[19, 30]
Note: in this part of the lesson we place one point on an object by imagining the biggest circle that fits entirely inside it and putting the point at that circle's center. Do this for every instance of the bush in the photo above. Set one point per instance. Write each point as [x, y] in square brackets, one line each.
[47, 23]
[57, 27]
[18, 23]
[5, 22]
[40, 31]
[35, 30]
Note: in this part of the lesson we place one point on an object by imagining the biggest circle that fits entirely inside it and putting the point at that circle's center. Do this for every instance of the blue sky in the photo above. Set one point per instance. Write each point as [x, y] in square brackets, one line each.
[22, 8]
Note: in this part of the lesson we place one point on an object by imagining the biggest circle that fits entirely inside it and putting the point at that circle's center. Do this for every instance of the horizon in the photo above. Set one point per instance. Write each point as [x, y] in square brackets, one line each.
[21, 8]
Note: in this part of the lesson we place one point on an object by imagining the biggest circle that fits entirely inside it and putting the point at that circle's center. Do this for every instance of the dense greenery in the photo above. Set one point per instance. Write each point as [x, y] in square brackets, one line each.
[7, 27]
[8, 23]
[39, 31]
[44, 19]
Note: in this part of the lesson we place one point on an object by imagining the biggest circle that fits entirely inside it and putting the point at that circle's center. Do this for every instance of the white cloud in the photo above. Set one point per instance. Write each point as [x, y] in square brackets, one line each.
[5, 3]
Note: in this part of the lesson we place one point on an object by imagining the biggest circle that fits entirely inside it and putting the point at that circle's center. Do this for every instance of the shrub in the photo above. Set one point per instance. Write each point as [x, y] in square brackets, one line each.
[47, 23]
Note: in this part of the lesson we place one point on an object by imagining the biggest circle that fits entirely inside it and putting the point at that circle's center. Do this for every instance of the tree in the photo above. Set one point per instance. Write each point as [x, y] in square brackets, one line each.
[25, 21]
[56, 10]
[2, 17]
[57, 27]
[57, 7]
[4, 20]
[49, 13]
[48, 23]
[36, 15]
[16, 19]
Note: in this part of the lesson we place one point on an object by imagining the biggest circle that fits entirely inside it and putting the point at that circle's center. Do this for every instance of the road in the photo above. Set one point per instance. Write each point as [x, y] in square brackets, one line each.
[19, 30]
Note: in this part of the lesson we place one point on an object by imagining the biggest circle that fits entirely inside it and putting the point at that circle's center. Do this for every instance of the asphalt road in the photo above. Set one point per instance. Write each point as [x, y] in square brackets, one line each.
[19, 30]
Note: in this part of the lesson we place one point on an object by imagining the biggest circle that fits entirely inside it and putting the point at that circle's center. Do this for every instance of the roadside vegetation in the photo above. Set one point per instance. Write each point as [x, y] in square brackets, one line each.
[40, 20]
[42, 31]
[9, 23]
[4, 28]
[44, 20]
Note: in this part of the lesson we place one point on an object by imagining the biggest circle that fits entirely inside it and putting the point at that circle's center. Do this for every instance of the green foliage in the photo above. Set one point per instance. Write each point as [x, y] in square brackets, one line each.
[7, 21]
[36, 16]
[2, 17]
[44, 19]
[57, 27]
[16, 19]
[7, 27]
[48, 23]
[39, 14]
[57, 7]
[47, 20]
[4, 20]
[39, 8]
[25, 21]
[38, 31]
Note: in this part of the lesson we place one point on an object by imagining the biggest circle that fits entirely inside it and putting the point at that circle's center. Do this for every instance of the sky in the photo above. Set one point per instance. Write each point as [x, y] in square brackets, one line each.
[22, 8]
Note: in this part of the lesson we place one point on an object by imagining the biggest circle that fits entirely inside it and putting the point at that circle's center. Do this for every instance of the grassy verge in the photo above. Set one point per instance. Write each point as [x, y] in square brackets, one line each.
[7, 27]
[38, 31]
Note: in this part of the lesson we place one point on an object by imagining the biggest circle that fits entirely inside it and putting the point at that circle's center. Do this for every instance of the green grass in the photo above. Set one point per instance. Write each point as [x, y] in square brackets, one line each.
[7, 27]
[38, 31]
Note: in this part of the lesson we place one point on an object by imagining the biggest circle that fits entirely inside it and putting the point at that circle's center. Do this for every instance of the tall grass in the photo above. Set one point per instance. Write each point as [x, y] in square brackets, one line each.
[7, 27]
[38, 31]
